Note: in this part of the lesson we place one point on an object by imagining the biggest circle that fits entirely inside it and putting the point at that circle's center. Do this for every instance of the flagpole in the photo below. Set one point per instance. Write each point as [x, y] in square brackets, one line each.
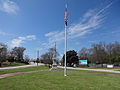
[65, 63]
[65, 69]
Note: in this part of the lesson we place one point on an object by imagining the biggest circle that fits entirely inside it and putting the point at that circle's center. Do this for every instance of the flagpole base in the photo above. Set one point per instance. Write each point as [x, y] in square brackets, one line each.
[65, 75]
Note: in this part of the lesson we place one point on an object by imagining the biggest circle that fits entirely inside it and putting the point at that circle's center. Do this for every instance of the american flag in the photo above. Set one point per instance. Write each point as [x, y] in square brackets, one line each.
[66, 16]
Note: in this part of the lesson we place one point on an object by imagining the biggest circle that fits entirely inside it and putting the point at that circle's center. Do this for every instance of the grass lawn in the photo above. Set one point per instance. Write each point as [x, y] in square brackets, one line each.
[7, 64]
[22, 69]
[54, 80]
[13, 64]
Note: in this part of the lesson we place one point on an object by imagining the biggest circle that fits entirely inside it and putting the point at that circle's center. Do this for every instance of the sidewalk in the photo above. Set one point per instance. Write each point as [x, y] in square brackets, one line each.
[101, 70]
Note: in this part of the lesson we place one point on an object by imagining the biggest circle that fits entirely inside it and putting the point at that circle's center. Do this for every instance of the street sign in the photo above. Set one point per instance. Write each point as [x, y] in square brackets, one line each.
[83, 62]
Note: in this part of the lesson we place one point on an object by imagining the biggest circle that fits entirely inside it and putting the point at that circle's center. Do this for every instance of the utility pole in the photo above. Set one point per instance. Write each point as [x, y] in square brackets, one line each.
[37, 57]
[55, 52]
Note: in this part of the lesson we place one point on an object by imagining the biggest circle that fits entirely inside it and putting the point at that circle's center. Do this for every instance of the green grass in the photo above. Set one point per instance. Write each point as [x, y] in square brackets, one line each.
[54, 80]
[13, 64]
[22, 69]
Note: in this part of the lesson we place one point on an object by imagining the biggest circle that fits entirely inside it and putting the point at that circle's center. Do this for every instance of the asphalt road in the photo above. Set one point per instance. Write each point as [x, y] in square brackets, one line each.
[34, 64]
[31, 65]
[102, 70]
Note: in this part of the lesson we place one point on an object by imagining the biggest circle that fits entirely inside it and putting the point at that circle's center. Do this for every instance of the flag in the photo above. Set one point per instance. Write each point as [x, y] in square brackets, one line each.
[66, 16]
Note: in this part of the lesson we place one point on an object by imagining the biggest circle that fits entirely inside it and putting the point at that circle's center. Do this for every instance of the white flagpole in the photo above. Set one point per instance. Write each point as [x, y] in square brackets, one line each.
[65, 69]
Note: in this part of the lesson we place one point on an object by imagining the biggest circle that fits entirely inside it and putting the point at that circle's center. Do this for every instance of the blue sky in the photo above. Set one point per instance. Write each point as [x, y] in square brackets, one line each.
[38, 24]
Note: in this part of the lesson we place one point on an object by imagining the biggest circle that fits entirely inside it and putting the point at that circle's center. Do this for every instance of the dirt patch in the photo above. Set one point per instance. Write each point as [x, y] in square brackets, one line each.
[58, 69]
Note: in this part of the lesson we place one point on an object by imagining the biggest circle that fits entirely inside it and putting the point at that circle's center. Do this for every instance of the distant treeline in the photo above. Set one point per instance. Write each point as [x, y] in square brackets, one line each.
[14, 55]
[102, 53]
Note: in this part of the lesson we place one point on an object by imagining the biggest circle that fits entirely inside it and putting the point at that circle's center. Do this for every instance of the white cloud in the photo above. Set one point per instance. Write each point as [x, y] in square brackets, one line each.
[90, 21]
[9, 6]
[50, 34]
[117, 31]
[17, 42]
[92, 41]
[106, 7]
[4, 33]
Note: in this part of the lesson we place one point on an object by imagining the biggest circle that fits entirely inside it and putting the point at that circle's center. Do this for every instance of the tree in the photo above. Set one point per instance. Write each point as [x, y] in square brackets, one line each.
[113, 51]
[3, 53]
[18, 53]
[10, 58]
[48, 57]
[26, 59]
[84, 53]
[71, 58]
[102, 53]
[99, 52]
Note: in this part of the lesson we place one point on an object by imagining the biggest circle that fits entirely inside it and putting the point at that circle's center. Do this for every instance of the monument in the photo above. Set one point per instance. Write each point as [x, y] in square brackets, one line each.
[54, 65]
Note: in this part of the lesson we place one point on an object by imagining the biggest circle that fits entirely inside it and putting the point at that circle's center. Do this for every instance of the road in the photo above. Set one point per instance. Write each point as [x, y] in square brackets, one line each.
[101, 70]
[34, 64]
[31, 65]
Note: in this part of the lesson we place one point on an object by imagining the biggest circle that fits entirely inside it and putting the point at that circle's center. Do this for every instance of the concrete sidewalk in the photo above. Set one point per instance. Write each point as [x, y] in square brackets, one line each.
[101, 70]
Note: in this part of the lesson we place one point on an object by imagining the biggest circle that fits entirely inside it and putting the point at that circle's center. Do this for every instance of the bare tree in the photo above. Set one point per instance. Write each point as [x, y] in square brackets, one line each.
[102, 53]
[99, 52]
[26, 59]
[47, 58]
[84, 53]
[113, 51]
[18, 53]
[3, 53]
